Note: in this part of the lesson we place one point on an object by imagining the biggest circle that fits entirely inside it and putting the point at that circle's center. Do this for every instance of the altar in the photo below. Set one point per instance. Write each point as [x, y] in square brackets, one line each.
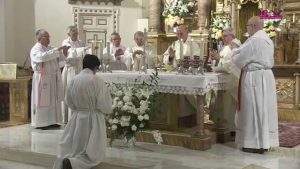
[172, 84]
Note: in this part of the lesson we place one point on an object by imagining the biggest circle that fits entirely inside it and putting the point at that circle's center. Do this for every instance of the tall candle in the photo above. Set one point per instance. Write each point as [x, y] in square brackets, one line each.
[108, 48]
[180, 49]
[145, 40]
[294, 18]
[100, 51]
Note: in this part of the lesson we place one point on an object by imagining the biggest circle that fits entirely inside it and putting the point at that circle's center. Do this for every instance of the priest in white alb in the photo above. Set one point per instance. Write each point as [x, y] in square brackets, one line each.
[73, 62]
[113, 54]
[184, 46]
[257, 119]
[47, 89]
[225, 111]
[140, 54]
[83, 142]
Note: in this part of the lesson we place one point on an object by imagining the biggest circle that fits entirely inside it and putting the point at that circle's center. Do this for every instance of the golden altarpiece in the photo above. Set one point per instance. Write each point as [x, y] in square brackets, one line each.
[287, 46]
[287, 53]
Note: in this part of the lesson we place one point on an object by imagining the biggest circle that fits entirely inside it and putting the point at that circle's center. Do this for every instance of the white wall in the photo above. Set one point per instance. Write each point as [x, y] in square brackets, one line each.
[2, 31]
[9, 31]
[56, 15]
[24, 29]
[16, 30]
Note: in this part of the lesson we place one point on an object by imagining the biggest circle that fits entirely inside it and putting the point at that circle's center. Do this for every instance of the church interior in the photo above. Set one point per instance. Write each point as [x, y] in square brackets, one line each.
[203, 139]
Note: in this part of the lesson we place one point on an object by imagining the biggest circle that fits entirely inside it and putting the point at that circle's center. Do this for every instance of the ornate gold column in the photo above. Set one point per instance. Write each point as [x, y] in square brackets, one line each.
[201, 34]
[297, 90]
[154, 16]
[298, 60]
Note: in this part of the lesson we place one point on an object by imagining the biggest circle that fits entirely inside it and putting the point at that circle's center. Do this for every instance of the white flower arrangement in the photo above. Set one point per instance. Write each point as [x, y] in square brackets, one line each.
[175, 11]
[180, 8]
[218, 25]
[271, 27]
[157, 136]
[132, 106]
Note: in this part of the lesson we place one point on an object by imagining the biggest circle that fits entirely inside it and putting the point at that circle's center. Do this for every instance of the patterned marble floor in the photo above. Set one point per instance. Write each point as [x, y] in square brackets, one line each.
[26, 142]
[4, 164]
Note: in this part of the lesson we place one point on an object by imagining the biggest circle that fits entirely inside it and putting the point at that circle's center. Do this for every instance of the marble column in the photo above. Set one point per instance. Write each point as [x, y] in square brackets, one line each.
[204, 8]
[154, 16]
[234, 15]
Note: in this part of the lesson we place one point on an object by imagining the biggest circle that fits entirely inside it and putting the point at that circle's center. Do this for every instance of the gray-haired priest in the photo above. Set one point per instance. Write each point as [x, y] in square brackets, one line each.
[47, 90]
[181, 48]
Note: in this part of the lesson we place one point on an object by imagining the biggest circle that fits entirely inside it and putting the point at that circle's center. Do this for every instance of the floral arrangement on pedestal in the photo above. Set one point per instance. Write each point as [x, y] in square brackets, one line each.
[272, 21]
[219, 23]
[176, 10]
[132, 107]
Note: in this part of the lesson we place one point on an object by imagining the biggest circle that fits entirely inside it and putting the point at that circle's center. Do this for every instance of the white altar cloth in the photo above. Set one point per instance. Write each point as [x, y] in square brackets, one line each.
[171, 82]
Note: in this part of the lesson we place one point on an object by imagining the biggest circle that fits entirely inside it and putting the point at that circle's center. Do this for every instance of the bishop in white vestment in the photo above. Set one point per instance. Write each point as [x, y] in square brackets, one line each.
[47, 90]
[257, 119]
[83, 142]
[73, 62]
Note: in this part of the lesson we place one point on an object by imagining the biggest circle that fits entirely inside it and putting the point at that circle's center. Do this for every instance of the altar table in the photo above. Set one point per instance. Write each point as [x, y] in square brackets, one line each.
[174, 83]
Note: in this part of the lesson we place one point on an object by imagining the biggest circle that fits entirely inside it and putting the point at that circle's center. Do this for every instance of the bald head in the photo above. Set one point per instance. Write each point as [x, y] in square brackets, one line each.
[139, 38]
[182, 32]
[43, 37]
[73, 32]
[254, 24]
[228, 35]
[39, 33]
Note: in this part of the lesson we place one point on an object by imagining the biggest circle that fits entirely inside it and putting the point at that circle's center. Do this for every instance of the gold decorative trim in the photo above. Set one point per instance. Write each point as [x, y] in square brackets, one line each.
[115, 2]
[285, 89]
